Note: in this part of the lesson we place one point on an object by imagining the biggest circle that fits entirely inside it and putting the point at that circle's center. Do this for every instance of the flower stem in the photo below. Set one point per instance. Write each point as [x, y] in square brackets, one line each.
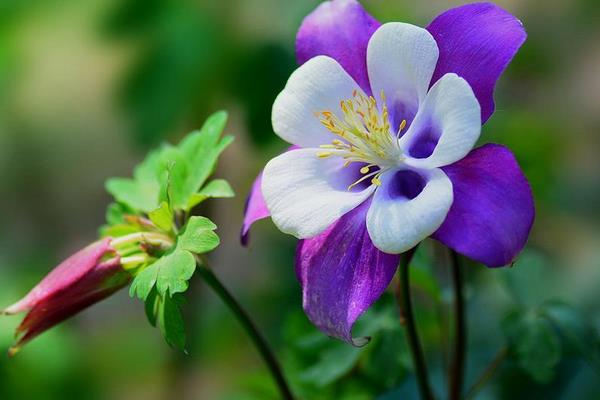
[414, 344]
[457, 364]
[488, 373]
[259, 341]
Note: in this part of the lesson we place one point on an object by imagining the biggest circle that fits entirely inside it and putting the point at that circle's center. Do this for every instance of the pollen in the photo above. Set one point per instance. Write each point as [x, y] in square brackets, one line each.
[364, 135]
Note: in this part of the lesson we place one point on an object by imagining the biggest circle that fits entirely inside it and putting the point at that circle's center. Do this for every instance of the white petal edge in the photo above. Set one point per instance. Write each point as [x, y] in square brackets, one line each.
[401, 59]
[452, 108]
[318, 85]
[306, 194]
[396, 225]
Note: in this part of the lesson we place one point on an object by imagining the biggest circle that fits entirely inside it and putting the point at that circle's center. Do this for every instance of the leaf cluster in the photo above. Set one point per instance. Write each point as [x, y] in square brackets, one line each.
[159, 198]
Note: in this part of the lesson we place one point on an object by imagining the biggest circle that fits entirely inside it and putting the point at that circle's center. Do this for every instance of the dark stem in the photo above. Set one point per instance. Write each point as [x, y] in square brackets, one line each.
[457, 364]
[488, 373]
[406, 311]
[249, 326]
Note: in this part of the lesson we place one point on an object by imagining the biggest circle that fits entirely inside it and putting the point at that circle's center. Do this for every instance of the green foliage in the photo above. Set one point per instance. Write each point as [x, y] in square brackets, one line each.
[198, 236]
[176, 174]
[324, 368]
[218, 188]
[165, 311]
[169, 273]
[541, 332]
[576, 330]
[534, 344]
[152, 206]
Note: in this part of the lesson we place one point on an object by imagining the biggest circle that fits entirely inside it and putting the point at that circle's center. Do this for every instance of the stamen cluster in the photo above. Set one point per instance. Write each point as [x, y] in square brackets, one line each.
[365, 135]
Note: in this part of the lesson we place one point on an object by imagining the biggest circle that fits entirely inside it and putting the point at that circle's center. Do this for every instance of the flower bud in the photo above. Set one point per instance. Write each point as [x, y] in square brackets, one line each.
[88, 276]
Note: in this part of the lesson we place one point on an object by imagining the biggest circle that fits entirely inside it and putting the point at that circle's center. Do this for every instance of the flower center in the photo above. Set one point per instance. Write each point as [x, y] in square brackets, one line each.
[364, 136]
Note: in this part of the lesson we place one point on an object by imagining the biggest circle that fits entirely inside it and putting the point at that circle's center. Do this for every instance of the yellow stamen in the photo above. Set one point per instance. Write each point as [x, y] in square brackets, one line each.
[363, 135]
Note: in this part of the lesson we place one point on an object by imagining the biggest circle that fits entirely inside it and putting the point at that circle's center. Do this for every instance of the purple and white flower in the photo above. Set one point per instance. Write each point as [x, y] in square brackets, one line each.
[385, 119]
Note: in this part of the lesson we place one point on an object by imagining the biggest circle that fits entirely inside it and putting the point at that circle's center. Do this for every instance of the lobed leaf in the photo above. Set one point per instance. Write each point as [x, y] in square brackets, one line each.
[202, 150]
[144, 282]
[217, 188]
[142, 192]
[174, 271]
[151, 306]
[170, 321]
[175, 174]
[198, 236]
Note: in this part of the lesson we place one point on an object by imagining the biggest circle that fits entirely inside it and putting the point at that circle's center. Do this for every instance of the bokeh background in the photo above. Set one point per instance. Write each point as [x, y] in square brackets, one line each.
[88, 86]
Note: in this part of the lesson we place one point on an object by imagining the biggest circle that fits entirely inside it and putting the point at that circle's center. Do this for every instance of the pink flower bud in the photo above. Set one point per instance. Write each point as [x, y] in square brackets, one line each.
[81, 280]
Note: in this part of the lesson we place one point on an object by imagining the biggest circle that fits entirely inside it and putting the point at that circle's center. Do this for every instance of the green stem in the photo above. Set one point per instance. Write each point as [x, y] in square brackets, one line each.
[414, 344]
[488, 373]
[259, 341]
[457, 365]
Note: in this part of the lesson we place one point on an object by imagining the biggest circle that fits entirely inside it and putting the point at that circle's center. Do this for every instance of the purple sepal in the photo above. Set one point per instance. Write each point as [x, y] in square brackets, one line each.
[493, 209]
[477, 41]
[340, 29]
[78, 282]
[342, 274]
[256, 209]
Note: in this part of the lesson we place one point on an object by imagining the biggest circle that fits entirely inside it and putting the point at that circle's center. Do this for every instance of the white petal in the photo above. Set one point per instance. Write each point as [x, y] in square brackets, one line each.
[401, 59]
[396, 223]
[318, 85]
[306, 194]
[451, 113]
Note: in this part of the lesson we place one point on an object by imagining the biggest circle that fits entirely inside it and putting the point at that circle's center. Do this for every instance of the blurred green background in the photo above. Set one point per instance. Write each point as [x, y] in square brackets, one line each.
[86, 87]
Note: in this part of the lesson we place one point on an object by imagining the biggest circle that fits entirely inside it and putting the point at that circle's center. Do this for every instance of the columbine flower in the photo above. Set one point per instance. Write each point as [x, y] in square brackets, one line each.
[386, 118]
[83, 279]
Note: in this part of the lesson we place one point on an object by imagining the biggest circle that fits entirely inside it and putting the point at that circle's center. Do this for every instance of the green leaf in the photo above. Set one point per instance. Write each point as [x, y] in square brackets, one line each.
[198, 236]
[218, 188]
[162, 216]
[170, 321]
[151, 306]
[176, 173]
[201, 150]
[140, 193]
[174, 271]
[169, 273]
[128, 191]
[144, 282]
[206, 137]
[174, 170]
[164, 311]
[534, 344]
